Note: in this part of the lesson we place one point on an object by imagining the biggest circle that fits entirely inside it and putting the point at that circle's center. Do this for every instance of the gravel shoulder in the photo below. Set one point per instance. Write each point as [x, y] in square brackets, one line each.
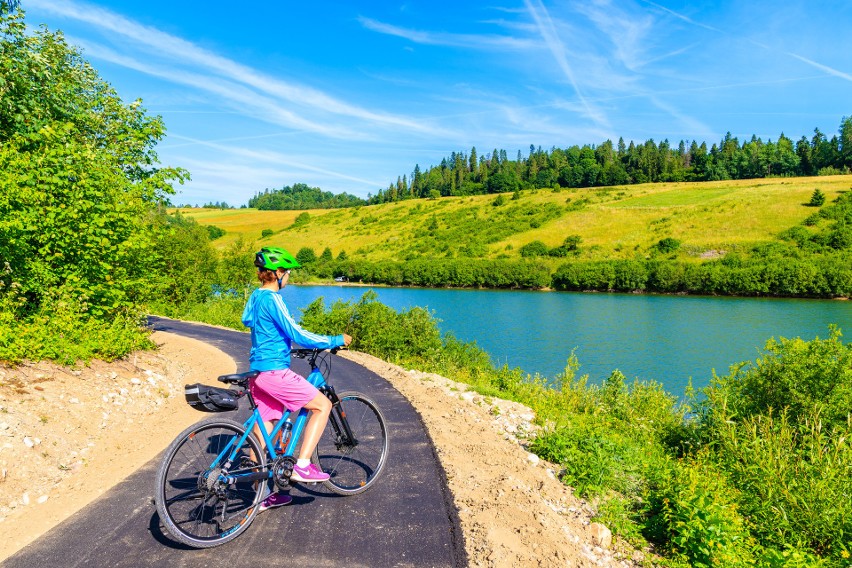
[69, 435]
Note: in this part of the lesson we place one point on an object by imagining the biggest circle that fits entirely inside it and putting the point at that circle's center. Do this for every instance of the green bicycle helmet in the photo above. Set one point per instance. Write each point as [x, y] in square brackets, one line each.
[272, 258]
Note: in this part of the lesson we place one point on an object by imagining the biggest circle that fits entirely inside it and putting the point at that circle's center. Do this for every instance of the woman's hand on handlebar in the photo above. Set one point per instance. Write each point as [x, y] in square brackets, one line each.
[347, 339]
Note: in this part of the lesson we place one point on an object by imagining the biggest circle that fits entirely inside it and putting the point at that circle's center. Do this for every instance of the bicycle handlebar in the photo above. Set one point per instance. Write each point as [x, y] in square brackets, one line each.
[302, 352]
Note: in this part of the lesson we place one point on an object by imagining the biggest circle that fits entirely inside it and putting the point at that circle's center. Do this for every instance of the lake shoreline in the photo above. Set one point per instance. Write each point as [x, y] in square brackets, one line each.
[550, 289]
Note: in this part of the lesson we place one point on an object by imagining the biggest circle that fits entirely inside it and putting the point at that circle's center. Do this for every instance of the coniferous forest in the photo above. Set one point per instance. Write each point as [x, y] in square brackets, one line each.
[592, 165]
[619, 164]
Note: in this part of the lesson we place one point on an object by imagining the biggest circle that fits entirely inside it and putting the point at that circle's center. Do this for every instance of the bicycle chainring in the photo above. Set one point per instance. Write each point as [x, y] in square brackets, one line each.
[282, 469]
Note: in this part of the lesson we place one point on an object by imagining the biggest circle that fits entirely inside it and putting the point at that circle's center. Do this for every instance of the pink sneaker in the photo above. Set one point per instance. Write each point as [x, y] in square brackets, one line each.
[310, 474]
[275, 500]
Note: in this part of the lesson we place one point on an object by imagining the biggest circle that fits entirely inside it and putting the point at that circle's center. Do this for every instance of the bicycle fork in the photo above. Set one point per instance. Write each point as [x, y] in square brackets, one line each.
[340, 425]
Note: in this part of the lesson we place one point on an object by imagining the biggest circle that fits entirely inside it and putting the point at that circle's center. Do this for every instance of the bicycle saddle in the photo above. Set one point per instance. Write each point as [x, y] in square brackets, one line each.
[240, 379]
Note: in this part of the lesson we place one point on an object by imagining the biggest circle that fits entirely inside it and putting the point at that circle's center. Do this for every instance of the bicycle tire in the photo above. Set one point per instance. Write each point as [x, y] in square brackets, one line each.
[353, 468]
[199, 513]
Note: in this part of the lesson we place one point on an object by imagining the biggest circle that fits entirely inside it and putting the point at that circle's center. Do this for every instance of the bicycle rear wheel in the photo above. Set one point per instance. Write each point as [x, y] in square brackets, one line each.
[354, 462]
[194, 505]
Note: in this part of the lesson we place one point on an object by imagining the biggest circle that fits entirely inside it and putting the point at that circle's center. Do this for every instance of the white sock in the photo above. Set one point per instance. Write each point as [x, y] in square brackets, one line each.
[303, 463]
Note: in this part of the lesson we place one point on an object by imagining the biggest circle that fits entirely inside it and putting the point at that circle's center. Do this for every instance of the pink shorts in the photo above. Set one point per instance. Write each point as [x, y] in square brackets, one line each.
[275, 390]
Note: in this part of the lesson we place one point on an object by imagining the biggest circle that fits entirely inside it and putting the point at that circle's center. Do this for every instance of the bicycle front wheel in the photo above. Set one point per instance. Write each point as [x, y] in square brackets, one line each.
[194, 503]
[353, 448]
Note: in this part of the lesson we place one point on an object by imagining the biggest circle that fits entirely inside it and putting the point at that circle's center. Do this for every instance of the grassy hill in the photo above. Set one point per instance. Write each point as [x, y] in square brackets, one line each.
[613, 222]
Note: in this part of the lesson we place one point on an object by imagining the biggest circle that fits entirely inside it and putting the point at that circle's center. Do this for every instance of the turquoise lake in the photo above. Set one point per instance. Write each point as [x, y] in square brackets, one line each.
[669, 339]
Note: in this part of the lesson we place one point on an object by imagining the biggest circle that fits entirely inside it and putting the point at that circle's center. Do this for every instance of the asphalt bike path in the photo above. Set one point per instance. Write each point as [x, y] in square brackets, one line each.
[406, 519]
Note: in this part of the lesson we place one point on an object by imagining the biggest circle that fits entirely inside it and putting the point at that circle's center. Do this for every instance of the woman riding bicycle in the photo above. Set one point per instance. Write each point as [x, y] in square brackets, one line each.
[273, 331]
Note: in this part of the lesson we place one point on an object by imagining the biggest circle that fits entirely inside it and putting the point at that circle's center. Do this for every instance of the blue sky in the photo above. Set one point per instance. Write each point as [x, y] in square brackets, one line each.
[347, 96]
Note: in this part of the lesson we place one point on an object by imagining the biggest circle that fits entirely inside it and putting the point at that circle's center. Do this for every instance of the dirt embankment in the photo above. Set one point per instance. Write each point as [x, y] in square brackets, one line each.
[68, 435]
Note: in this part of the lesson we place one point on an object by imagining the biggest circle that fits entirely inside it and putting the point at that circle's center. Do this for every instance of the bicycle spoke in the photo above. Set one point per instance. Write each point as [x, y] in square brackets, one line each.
[353, 463]
[194, 501]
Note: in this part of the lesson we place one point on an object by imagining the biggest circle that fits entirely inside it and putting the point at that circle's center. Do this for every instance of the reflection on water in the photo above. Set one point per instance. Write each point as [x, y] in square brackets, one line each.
[665, 338]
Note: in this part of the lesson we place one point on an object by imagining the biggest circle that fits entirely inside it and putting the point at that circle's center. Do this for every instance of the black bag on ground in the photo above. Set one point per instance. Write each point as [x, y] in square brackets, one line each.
[210, 399]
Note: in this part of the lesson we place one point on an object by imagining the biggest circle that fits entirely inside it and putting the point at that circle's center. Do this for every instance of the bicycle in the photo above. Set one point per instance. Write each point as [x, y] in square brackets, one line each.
[215, 473]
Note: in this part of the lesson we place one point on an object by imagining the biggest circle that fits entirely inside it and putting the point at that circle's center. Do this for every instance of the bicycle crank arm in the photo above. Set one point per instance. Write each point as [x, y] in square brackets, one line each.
[243, 477]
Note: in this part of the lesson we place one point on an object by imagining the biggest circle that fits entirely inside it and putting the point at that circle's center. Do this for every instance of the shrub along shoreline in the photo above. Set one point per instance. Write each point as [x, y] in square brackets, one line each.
[821, 277]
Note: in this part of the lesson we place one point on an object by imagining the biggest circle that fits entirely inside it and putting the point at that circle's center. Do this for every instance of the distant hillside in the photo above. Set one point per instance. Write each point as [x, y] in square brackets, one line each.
[707, 219]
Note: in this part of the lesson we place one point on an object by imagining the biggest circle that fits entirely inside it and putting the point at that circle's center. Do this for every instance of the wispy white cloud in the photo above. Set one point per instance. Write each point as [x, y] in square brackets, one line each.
[182, 53]
[548, 32]
[682, 17]
[687, 123]
[279, 159]
[822, 67]
[245, 100]
[762, 45]
[664, 56]
[470, 41]
[628, 32]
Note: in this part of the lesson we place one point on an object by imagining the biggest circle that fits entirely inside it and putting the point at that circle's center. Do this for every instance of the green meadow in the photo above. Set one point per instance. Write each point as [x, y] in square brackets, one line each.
[621, 222]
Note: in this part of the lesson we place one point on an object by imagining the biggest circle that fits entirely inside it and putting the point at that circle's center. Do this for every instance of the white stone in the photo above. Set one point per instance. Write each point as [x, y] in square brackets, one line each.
[42, 499]
[25, 498]
[601, 535]
[533, 459]
[74, 400]
[135, 381]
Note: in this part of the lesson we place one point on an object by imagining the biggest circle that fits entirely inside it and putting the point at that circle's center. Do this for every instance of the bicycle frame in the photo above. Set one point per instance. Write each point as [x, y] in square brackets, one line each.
[229, 453]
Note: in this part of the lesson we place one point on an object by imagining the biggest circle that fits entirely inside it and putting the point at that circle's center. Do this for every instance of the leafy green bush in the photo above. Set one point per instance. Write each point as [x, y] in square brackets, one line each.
[780, 429]
[459, 273]
[306, 256]
[79, 191]
[301, 220]
[534, 248]
[571, 245]
[376, 328]
[692, 511]
[71, 337]
[186, 263]
[803, 378]
[225, 311]
[821, 277]
[214, 232]
[667, 245]
[795, 480]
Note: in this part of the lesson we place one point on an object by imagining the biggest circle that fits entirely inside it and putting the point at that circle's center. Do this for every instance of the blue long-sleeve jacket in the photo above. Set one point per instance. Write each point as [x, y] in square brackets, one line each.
[273, 331]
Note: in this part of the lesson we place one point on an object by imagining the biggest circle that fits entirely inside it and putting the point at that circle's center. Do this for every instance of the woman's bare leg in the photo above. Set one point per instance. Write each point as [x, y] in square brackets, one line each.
[320, 408]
